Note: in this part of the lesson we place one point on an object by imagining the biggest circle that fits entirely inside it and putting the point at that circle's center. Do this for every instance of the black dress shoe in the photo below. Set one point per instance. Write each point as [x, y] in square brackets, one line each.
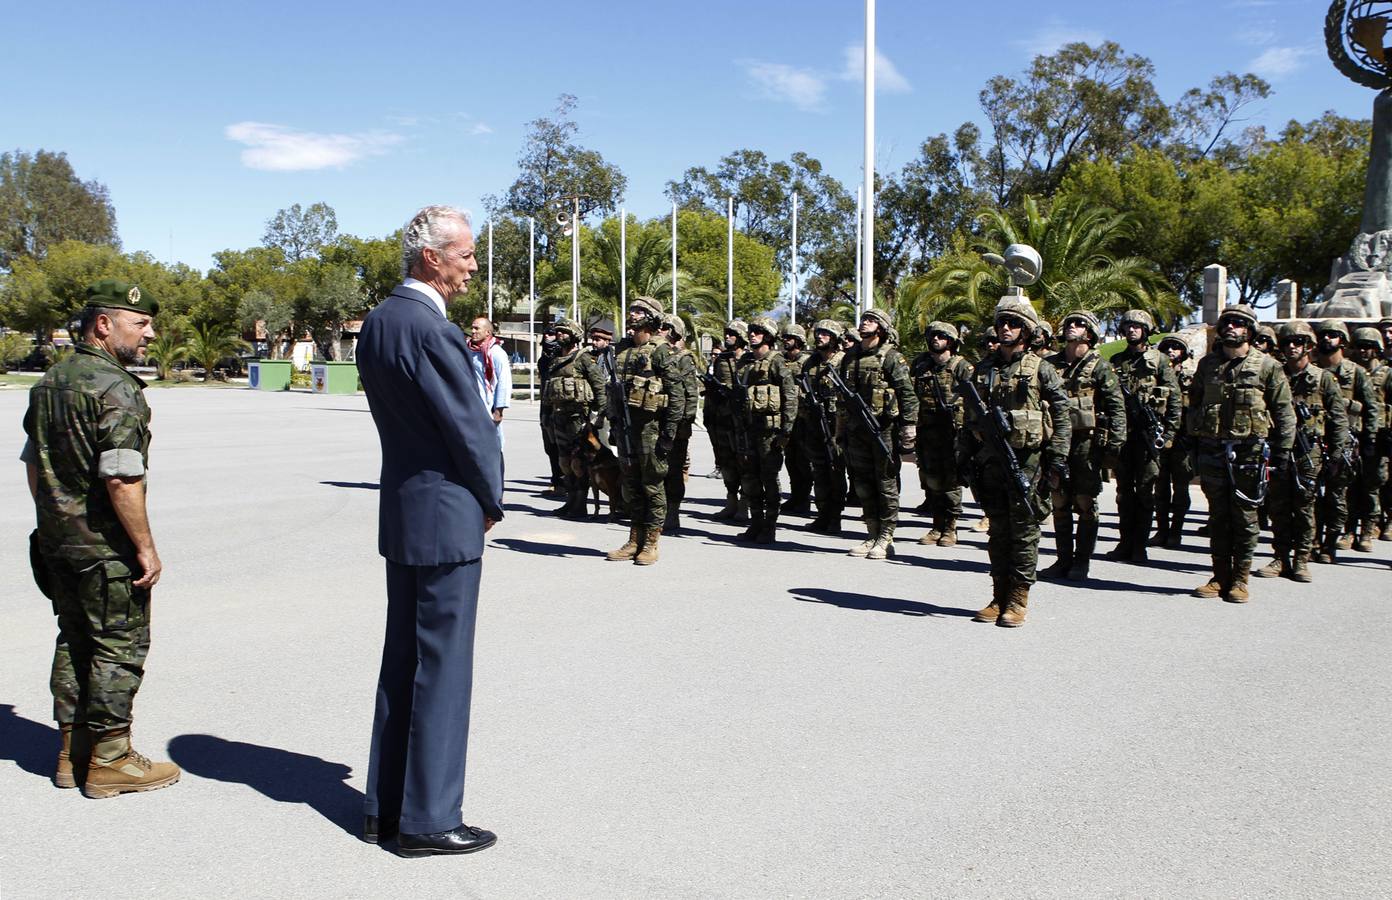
[375, 829]
[464, 839]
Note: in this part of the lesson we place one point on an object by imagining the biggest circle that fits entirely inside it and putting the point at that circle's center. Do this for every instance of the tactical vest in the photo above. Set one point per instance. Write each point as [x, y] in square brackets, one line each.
[763, 391]
[566, 388]
[1380, 377]
[1184, 374]
[1014, 389]
[1141, 376]
[934, 385]
[1082, 401]
[1233, 409]
[1305, 387]
[865, 375]
[643, 387]
[818, 378]
[1347, 375]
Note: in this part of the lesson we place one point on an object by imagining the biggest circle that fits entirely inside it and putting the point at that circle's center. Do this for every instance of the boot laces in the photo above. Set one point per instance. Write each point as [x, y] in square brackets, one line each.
[140, 759]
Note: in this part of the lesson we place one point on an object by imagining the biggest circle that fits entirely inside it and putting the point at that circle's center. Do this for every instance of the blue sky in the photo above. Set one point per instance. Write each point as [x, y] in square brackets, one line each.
[204, 119]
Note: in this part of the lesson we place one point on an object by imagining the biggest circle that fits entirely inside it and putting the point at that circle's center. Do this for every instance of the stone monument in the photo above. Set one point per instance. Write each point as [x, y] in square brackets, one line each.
[1355, 35]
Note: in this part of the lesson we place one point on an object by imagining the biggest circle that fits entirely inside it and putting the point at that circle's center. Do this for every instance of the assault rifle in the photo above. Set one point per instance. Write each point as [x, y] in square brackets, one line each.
[1303, 448]
[946, 408]
[818, 408]
[857, 405]
[1151, 426]
[618, 401]
[994, 425]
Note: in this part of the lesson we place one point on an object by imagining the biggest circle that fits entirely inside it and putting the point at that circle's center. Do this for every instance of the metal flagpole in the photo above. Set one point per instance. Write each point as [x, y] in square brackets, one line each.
[730, 258]
[575, 262]
[867, 236]
[531, 301]
[674, 257]
[623, 267]
[490, 270]
[859, 219]
[792, 316]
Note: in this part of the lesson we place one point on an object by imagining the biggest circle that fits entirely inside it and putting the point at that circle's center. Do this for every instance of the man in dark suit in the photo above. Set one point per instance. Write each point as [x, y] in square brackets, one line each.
[441, 489]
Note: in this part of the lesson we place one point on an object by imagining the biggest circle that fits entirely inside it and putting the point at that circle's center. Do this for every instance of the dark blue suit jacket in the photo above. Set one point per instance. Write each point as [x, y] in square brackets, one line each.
[441, 466]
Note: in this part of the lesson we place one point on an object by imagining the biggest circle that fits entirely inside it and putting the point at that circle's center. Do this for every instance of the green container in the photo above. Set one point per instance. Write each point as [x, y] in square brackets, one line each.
[334, 377]
[269, 374]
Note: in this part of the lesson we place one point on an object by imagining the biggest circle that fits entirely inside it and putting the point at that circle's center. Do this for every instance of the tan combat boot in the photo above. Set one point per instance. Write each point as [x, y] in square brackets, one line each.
[884, 542]
[648, 555]
[75, 746]
[1366, 535]
[1017, 601]
[1300, 569]
[630, 549]
[116, 768]
[1237, 591]
[1215, 586]
[862, 549]
[1345, 541]
[982, 525]
[949, 534]
[998, 600]
[933, 533]
[1274, 569]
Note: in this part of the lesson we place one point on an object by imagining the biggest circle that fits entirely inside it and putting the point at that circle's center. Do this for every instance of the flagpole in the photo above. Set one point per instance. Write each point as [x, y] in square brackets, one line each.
[867, 236]
[730, 258]
[490, 270]
[792, 315]
[859, 220]
[674, 257]
[623, 267]
[531, 303]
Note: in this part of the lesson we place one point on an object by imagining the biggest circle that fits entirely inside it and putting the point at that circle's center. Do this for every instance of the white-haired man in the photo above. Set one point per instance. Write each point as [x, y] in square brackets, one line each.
[441, 489]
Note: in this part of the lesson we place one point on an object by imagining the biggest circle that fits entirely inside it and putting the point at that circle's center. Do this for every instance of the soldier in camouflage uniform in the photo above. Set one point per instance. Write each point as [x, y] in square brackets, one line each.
[817, 409]
[1240, 415]
[1385, 499]
[768, 409]
[850, 340]
[935, 373]
[653, 394]
[718, 415]
[1331, 513]
[799, 502]
[877, 373]
[1322, 417]
[674, 330]
[557, 485]
[1172, 485]
[574, 396]
[1148, 379]
[1266, 341]
[1097, 412]
[1365, 501]
[88, 449]
[1030, 393]
[1042, 341]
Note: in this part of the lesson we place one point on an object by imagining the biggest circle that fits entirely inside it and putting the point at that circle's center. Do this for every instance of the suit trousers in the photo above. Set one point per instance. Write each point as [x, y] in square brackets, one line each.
[420, 733]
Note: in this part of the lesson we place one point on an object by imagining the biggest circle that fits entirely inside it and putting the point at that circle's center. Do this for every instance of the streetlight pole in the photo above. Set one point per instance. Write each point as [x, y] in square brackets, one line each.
[674, 257]
[531, 303]
[623, 266]
[730, 258]
[792, 315]
[575, 262]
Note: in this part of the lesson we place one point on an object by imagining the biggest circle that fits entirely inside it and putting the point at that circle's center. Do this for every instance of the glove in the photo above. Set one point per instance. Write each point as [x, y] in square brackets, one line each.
[908, 438]
[664, 446]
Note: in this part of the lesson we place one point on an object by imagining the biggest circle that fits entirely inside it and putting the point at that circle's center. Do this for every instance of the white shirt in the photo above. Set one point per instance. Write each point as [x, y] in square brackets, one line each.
[428, 291]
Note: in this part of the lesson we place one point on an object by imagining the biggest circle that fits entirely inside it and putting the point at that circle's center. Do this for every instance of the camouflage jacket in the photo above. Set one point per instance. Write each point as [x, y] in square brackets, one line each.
[574, 384]
[653, 389]
[1328, 413]
[815, 368]
[1357, 387]
[718, 413]
[684, 361]
[881, 378]
[935, 385]
[1095, 401]
[768, 391]
[1031, 394]
[1149, 375]
[1240, 399]
[87, 421]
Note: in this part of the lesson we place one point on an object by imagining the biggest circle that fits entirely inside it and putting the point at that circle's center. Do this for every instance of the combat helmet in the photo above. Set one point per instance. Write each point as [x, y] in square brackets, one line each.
[676, 324]
[793, 330]
[830, 326]
[946, 329]
[881, 316]
[1336, 326]
[1297, 329]
[1367, 335]
[1088, 320]
[1138, 317]
[1266, 331]
[1018, 307]
[649, 309]
[764, 324]
[570, 327]
[1178, 340]
[739, 329]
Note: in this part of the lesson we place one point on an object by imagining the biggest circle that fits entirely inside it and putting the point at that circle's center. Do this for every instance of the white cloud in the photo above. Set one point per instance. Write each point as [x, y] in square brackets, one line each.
[481, 128]
[1278, 62]
[803, 88]
[276, 148]
[887, 77]
[1054, 35]
[1257, 35]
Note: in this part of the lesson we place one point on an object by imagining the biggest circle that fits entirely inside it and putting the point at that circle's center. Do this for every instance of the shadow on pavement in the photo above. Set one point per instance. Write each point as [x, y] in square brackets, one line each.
[32, 745]
[537, 547]
[360, 485]
[946, 564]
[868, 603]
[280, 775]
[1093, 583]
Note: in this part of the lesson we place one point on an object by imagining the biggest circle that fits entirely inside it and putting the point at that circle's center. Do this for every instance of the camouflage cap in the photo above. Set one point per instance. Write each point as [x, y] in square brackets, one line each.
[793, 330]
[1018, 307]
[943, 328]
[649, 307]
[676, 324]
[764, 324]
[739, 329]
[1241, 311]
[1138, 317]
[830, 326]
[1088, 320]
[881, 316]
[1337, 326]
[1297, 329]
[111, 293]
[1367, 335]
[569, 327]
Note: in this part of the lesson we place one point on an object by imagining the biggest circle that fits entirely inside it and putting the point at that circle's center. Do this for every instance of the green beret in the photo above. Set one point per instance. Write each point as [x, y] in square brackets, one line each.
[112, 294]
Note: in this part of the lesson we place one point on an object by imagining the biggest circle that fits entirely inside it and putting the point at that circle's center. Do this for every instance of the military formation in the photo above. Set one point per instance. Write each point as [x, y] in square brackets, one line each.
[1285, 429]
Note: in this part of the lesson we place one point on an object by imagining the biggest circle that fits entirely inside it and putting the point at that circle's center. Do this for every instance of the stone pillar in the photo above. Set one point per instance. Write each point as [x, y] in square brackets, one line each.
[1287, 299]
[1215, 292]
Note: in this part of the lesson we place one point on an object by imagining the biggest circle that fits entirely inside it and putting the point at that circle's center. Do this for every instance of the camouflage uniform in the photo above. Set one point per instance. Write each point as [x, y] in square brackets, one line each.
[573, 395]
[1294, 483]
[1172, 486]
[880, 377]
[718, 415]
[654, 395]
[939, 418]
[553, 455]
[1146, 375]
[798, 463]
[684, 363]
[1331, 512]
[768, 409]
[1030, 393]
[1365, 507]
[818, 429]
[1097, 413]
[1239, 412]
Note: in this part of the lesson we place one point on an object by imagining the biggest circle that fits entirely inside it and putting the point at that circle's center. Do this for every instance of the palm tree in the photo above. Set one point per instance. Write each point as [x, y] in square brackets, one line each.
[165, 350]
[1081, 271]
[213, 342]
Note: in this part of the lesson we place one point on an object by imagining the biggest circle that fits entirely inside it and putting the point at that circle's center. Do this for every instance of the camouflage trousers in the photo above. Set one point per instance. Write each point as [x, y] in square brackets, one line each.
[1013, 540]
[1291, 509]
[798, 462]
[1365, 501]
[645, 476]
[828, 472]
[1172, 487]
[874, 476]
[1135, 482]
[549, 445]
[936, 456]
[563, 430]
[760, 462]
[1233, 529]
[103, 639]
[722, 438]
[678, 464]
[1331, 510]
[1079, 493]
